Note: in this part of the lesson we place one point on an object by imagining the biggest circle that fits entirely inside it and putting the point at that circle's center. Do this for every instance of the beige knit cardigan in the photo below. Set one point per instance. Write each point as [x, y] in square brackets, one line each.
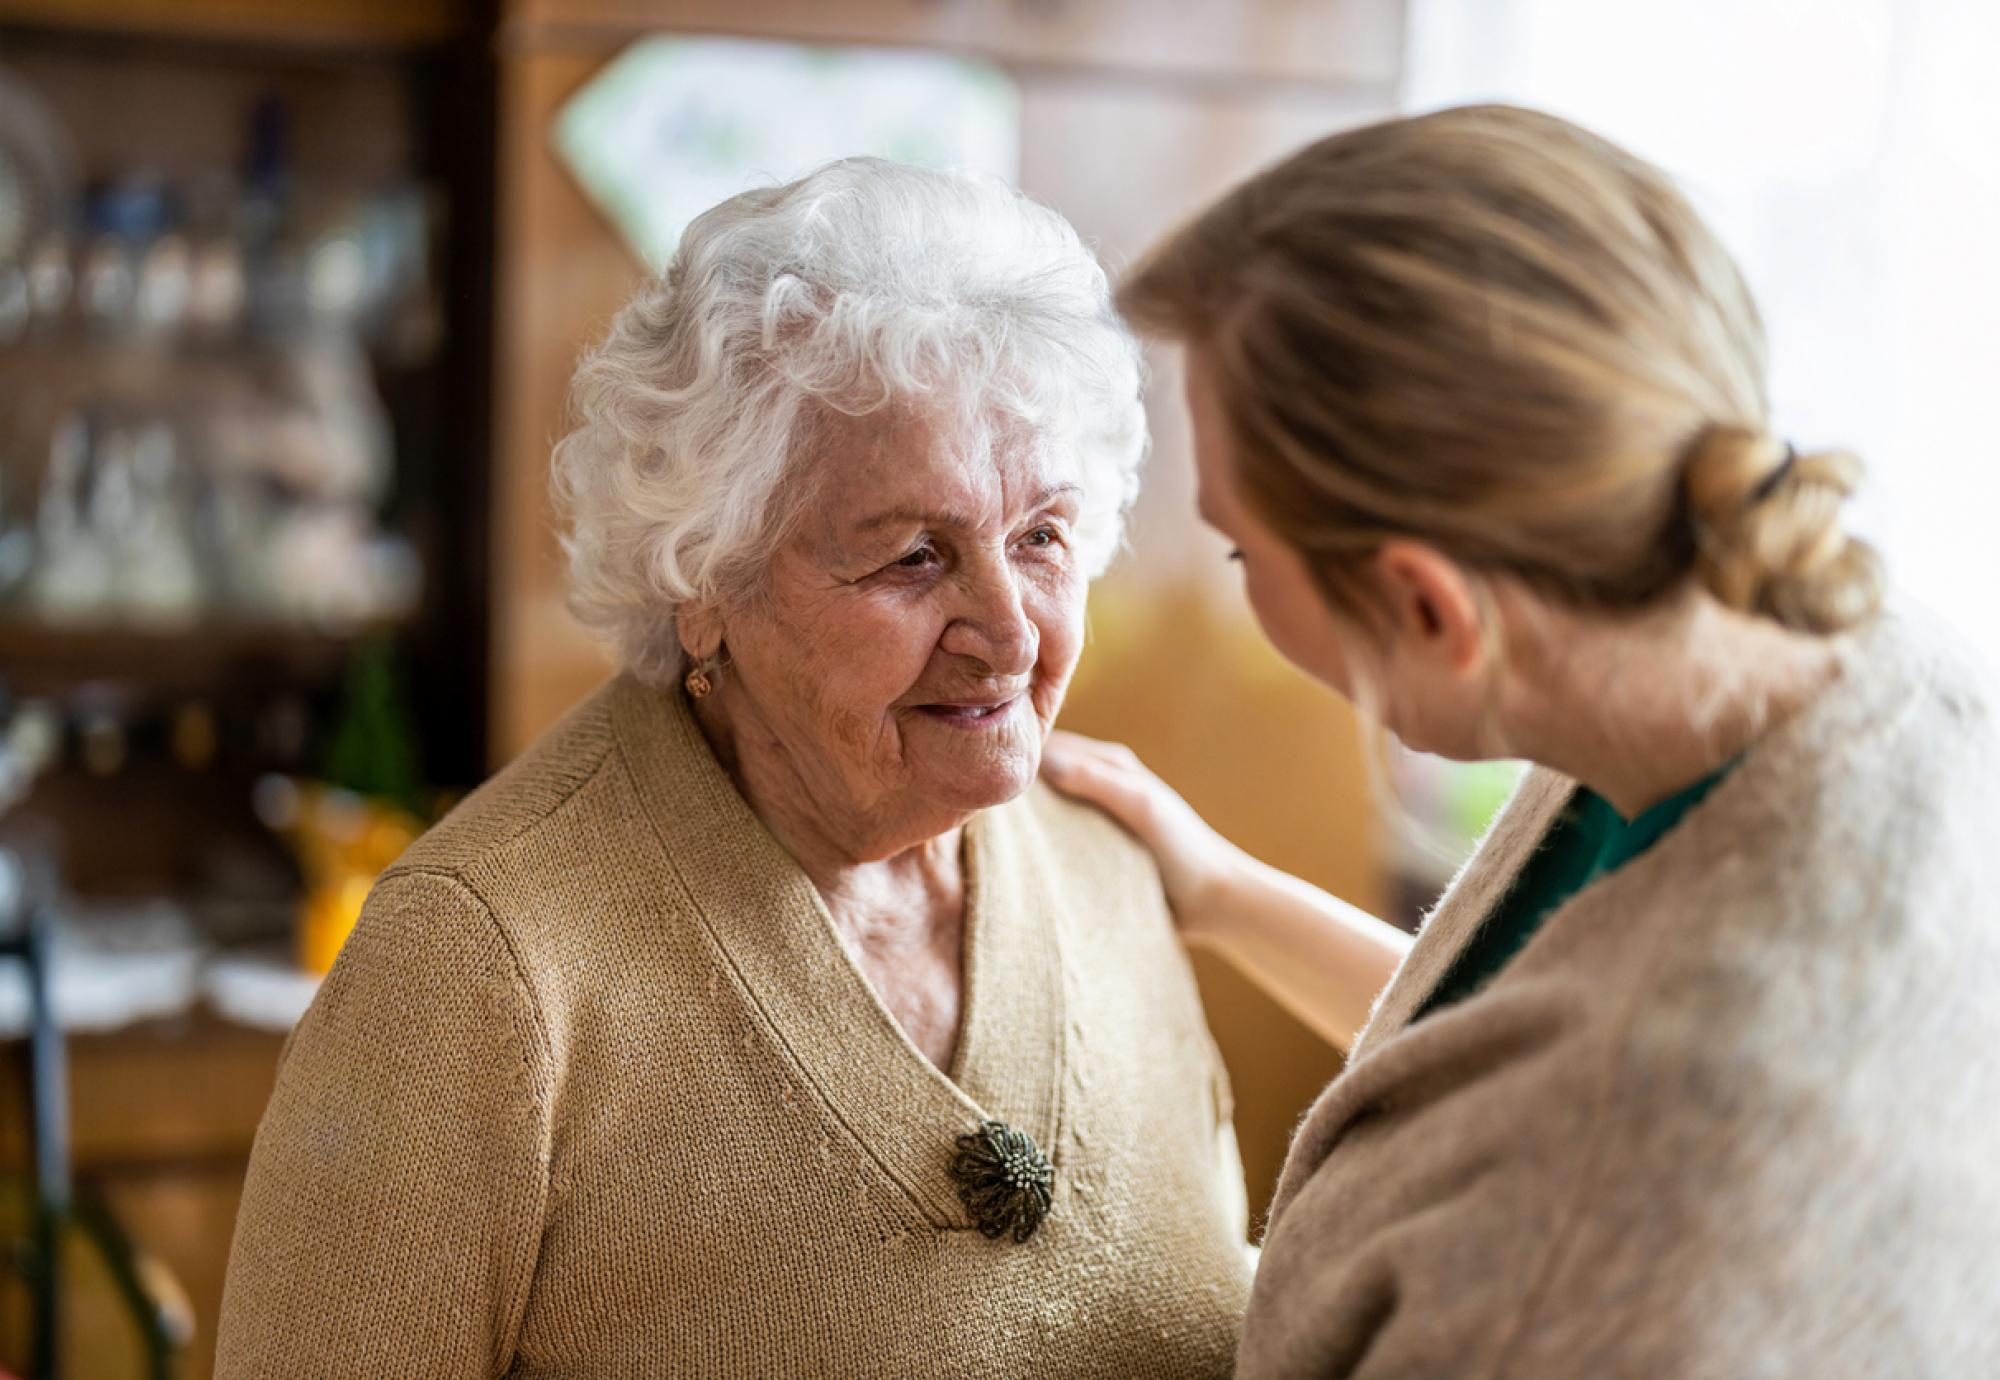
[1733, 1113]
[595, 1091]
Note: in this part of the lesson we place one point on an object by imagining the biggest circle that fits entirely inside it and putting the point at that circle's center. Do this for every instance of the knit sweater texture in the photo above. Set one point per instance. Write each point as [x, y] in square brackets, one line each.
[1732, 1114]
[594, 1090]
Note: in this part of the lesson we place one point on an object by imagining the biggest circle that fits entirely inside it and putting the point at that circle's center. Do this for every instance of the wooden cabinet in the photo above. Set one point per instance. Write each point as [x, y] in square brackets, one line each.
[561, 274]
[373, 23]
[365, 95]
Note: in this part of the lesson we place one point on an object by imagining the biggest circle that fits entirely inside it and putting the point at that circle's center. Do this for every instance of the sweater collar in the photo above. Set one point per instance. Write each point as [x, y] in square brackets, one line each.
[774, 938]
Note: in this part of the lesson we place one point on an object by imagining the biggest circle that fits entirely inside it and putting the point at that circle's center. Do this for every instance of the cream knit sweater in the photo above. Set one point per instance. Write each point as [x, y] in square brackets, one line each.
[594, 1091]
[1733, 1113]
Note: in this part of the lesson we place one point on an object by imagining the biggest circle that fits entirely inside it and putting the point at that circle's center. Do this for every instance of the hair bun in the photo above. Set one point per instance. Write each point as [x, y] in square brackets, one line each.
[1769, 538]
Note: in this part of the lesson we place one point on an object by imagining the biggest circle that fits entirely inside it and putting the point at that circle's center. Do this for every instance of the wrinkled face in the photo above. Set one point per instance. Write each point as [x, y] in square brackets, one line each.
[916, 633]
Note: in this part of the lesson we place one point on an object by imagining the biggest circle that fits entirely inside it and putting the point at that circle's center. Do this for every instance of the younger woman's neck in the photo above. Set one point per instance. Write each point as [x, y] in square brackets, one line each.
[1639, 708]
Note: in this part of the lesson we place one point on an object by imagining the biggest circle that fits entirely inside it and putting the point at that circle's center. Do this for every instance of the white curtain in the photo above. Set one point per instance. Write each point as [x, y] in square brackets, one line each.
[1848, 151]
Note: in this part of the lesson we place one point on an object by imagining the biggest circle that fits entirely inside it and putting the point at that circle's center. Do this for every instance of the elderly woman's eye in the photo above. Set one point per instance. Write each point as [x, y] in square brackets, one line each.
[1041, 536]
[917, 559]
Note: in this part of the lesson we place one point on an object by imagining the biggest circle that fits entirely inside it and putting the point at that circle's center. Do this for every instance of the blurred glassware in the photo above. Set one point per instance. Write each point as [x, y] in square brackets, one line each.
[193, 428]
[73, 571]
[51, 280]
[159, 580]
[14, 308]
[35, 177]
[35, 169]
[17, 537]
[164, 290]
[105, 284]
[122, 219]
[216, 289]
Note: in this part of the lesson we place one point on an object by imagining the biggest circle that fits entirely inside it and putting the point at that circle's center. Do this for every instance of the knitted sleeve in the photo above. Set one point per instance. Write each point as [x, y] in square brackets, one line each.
[1423, 1198]
[392, 1214]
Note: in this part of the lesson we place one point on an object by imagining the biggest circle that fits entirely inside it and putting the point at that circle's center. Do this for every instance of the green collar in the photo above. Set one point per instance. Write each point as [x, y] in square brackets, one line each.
[1620, 840]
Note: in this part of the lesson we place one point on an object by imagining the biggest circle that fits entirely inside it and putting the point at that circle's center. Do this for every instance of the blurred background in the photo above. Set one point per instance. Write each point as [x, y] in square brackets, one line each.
[289, 297]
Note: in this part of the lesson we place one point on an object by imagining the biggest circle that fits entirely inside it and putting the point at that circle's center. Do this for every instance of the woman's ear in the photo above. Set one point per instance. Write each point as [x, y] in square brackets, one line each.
[1434, 610]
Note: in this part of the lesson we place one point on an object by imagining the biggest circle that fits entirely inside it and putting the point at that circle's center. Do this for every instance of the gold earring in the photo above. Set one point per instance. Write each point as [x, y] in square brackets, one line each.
[698, 684]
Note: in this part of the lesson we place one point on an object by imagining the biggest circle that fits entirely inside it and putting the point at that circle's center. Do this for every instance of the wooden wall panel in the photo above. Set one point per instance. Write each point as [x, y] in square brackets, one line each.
[562, 274]
[1251, 43]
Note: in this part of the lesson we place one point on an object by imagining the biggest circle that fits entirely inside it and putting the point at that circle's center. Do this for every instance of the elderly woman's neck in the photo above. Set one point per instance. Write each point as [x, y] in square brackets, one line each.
[894, 886]
[864, 860]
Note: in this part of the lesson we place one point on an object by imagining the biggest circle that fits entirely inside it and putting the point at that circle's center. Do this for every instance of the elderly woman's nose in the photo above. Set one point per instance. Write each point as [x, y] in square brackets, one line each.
[994, 626]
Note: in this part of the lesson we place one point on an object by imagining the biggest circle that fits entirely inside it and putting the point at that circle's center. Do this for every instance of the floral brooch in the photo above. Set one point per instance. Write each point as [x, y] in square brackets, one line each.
[1005, 1182]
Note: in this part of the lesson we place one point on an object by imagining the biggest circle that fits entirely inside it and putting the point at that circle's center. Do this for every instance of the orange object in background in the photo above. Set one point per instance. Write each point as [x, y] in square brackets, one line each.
[326, 917]
[343, 842]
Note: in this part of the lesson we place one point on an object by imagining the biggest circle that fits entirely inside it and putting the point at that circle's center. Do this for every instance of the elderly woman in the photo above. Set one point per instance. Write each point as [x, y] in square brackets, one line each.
[765, 1018]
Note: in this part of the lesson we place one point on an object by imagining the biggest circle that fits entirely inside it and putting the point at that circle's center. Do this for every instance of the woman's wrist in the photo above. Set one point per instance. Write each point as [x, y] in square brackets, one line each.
[1213, 894]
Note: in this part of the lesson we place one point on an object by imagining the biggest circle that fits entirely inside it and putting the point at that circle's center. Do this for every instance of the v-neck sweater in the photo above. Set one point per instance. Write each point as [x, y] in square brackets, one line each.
[594, 1090]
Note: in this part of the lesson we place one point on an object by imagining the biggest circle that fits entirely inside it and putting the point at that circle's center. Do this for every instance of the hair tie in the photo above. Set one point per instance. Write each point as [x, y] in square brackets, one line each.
[1770, 482]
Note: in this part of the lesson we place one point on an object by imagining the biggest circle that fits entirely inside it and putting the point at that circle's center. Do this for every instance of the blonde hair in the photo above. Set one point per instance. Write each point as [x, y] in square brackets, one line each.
[1493, 331]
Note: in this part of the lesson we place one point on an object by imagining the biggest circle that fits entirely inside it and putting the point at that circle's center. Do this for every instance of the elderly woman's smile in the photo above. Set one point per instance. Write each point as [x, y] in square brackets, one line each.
[907, 651]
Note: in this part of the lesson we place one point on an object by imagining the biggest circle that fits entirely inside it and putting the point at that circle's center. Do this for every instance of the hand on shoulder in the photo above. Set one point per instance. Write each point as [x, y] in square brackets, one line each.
[1193, 858]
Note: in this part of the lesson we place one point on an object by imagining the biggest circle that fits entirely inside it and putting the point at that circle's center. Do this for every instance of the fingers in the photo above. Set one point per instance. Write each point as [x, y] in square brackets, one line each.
[1082, 772]
[1107, 775]
[1066, 747]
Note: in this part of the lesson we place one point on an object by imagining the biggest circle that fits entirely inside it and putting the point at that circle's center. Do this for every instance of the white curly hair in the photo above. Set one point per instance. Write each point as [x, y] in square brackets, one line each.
[862, 285]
